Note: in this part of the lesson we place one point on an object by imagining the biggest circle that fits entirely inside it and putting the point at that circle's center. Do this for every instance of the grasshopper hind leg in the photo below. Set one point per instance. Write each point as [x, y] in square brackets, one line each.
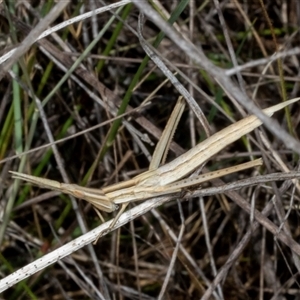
[112, 224]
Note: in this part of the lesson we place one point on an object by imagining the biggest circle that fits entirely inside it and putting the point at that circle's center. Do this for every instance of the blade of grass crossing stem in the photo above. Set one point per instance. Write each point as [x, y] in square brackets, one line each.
[21, 286]
[81, 57]
[114, 37]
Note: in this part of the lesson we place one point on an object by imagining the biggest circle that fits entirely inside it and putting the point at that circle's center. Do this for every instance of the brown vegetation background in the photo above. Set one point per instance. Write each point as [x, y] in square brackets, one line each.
[133, 262]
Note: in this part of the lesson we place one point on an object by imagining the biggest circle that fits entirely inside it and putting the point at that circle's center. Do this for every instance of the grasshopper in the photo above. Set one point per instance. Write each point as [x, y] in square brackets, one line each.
[166, 179]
